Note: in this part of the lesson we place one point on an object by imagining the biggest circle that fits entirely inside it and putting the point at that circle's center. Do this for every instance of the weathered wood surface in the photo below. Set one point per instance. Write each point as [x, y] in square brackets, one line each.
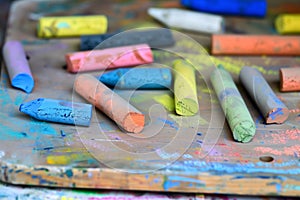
[195, 154]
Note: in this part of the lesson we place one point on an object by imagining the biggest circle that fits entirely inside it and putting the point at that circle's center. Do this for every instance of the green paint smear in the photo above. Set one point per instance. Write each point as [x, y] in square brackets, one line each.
[187, 122]
[202, 62]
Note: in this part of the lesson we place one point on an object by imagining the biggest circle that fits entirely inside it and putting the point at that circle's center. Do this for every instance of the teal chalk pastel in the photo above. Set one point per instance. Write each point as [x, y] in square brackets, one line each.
[58, 111]
[138, 78]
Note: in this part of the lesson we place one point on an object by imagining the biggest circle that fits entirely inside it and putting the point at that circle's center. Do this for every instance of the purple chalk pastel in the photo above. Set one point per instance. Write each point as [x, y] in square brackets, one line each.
[17, 66]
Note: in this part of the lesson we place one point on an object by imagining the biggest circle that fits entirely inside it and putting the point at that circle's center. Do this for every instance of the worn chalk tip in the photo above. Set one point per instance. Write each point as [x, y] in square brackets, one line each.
[134, 122]
[187, 107]
[277, 116]
[157, 13]
[24, 82]
[244, 131]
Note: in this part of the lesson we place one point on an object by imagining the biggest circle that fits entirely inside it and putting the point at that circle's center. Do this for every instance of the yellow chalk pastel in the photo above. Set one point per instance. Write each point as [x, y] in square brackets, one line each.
[71, 26]
[185, 90]
[288, 23]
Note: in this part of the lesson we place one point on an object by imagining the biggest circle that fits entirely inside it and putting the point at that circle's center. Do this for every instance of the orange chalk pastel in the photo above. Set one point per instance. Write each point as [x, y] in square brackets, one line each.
[109, 58]
[255, 45]
[290, 79]
[124, 114]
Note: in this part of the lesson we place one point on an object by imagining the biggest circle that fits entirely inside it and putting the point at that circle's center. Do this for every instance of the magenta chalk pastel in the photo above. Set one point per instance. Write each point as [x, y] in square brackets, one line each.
[17, 66]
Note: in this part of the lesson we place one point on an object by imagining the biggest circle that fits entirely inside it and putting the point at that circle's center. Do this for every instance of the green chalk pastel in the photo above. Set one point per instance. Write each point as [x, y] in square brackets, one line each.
[233, 105]
[185, 90]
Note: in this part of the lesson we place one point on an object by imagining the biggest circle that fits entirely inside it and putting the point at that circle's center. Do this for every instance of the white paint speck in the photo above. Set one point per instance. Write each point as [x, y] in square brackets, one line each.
[2, 153]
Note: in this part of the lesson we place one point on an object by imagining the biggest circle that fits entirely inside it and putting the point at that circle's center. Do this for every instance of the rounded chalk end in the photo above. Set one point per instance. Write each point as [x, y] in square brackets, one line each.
[244, 131]
[277, 116]
[24, 82]
[134, 122]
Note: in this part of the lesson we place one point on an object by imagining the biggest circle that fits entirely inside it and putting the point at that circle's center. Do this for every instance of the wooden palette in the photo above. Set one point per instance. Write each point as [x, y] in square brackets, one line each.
[173, 153]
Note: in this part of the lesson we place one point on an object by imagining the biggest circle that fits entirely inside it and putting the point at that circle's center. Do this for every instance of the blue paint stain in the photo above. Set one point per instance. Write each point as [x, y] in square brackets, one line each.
[277, 112]
[170, 184]
[174, 181]
[199, 134]
[218, 168]
[168, 122]
[106, 127]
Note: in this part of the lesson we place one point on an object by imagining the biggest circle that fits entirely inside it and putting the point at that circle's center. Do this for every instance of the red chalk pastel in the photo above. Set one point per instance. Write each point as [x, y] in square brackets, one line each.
[109, 58]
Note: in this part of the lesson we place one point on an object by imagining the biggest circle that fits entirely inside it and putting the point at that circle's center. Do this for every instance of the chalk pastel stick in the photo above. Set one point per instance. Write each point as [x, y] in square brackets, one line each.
[273, 110]
[59, 111]
[188, 20]
[71, 26]
[289, 79]
[138, 78]
[155, 38]
[255, 8]
[233, 105]
[288, 23]
[122, 112]
[185, 88]
[17, 66]
[109, 58]
[230, 44]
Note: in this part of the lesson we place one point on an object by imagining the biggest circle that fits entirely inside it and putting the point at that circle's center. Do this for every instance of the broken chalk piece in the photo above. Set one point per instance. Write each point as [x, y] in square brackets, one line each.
[115, 107]
[138, 78]
[270, 106]
[109, 58]
[71, 26]
[233, 105]
[58, 111]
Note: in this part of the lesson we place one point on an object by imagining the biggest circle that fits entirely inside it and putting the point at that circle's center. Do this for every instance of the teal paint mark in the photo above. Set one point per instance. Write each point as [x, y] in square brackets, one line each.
[19, 99]
[69, 173]
[291, 187]
[40, 127]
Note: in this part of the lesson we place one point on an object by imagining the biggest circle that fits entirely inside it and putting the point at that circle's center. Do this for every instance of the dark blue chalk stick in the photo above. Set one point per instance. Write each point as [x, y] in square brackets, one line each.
[255, 8]
[155, 38]
[138, 78]
[58, 111]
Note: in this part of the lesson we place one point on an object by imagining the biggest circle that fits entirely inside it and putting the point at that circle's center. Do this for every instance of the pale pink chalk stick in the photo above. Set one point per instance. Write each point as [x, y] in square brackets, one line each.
[114, 106]
[17, 66]
[109, 58]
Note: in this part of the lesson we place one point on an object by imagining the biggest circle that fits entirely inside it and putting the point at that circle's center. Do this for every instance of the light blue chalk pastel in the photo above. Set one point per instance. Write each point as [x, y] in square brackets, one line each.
[138, 78]
[58, 111]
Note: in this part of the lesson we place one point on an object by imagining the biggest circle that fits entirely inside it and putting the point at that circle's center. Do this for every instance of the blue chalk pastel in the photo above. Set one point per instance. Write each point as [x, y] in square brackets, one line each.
[255, 8]
[58, 111]
[138, 78]
[23, 81]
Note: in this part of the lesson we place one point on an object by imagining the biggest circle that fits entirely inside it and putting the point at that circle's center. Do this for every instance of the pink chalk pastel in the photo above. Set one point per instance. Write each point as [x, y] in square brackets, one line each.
[17, 66]
[109, 58]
